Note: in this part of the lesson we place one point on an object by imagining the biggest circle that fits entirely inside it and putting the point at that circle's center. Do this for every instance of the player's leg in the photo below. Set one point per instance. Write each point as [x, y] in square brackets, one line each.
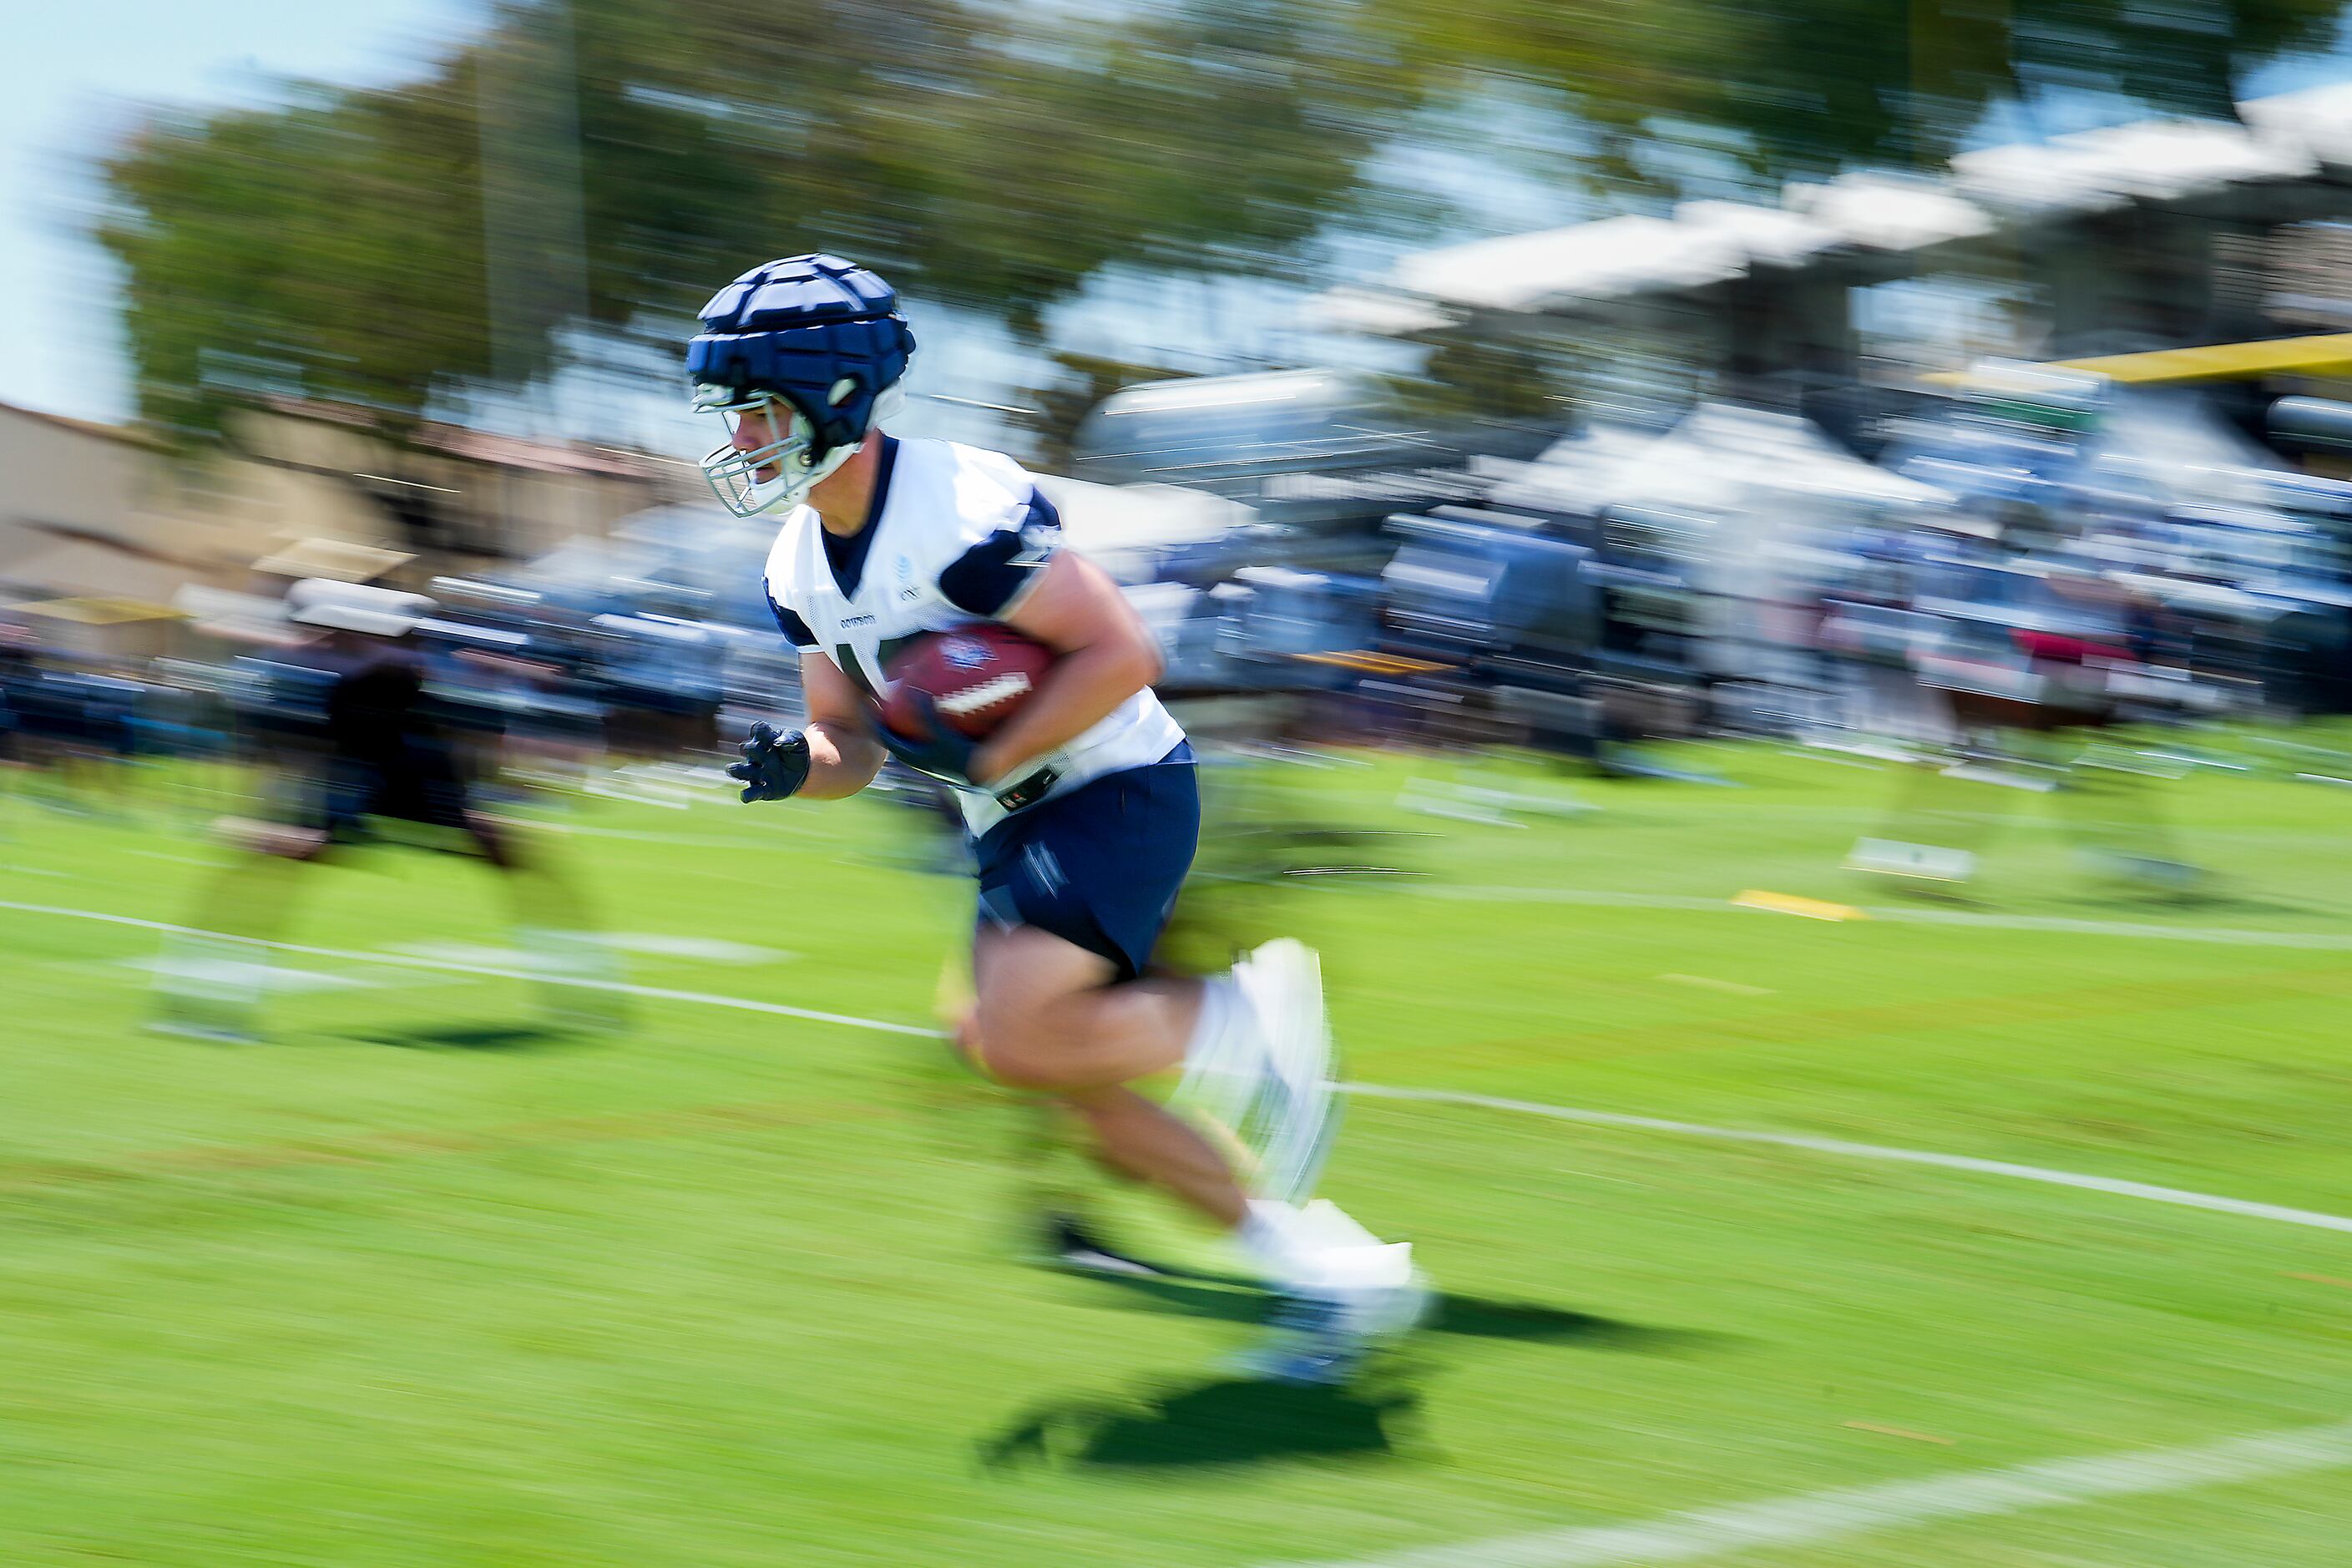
[1072, 898]
[1253, 1045]
[1062, 1172]
[213, 976]
[551, 912]
[427, 785]
[1100, 868]
[1047, 1016]
[1032, 986]
[1062, 1167]
[2108, 800]
[1050, 1017]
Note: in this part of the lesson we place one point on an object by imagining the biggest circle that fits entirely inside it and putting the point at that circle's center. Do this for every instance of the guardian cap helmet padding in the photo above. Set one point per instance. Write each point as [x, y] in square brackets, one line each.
[814, 347]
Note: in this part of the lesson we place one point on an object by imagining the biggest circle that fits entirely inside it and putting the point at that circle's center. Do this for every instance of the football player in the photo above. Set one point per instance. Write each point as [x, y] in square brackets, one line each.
[354, 740]
[1082, 805]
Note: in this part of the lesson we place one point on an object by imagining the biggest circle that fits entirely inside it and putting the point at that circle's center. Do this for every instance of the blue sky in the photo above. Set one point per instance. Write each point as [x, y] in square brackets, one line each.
[71, 75]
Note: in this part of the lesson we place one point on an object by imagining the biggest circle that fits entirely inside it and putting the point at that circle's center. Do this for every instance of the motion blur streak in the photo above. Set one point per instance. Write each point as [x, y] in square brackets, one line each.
[1784, 570]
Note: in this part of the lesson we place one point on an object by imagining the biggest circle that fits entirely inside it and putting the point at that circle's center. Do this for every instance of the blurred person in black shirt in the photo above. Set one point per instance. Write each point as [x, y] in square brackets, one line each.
[353, 739]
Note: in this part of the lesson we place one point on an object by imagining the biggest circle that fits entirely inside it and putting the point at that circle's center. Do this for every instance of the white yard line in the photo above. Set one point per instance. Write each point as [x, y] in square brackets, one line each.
[1707, 1532]
[2226, 936]
[692, 949]
[634, 797]
[500, 972]
[2178, 1197]
[645, 945]
[1815, 1516]
[275, 978]
[1598, 898]
[2026, 819]
[1595, 898]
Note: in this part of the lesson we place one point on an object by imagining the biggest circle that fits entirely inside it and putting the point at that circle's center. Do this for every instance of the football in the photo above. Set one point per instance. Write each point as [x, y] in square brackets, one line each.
[978, 676]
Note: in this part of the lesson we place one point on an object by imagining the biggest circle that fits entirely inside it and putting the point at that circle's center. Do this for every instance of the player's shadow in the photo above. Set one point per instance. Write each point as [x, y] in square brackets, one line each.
[1944, 894]
[2208, 897]
[1471, 1317]
[471, 1037]
[1226, 1421]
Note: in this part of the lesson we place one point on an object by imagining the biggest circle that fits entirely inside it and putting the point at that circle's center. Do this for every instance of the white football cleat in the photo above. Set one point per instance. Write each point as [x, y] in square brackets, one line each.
[1322, 1337]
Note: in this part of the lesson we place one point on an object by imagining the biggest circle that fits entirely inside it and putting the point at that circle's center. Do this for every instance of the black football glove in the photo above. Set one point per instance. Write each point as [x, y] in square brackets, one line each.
[773, 766]
[943, 753]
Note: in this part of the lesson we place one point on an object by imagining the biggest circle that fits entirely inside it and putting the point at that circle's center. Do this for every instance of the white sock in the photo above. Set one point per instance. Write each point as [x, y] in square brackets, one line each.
[1224, 1058]
[1219, 997]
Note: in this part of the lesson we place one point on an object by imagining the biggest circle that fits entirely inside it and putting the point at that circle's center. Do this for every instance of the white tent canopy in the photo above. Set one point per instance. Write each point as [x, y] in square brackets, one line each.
[1773, 236]
[1569, 474]
[1119, 526]
[2152, 160]
[1876, 212]
[1605, 259]
[2288, 137]
[2170, 444]
[1723, 457]
[2316, 120]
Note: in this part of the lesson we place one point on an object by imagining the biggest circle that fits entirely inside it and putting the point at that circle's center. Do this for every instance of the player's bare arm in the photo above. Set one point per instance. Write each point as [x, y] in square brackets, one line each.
[843, 755]
[1108, 655]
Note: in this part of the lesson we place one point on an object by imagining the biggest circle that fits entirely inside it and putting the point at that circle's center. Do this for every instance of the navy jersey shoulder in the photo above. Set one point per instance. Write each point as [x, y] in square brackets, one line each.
[796, 630]
[991, 575]
[959, 534]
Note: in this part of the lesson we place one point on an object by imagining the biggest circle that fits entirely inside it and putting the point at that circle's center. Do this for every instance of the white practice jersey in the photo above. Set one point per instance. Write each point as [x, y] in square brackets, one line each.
[957, 535]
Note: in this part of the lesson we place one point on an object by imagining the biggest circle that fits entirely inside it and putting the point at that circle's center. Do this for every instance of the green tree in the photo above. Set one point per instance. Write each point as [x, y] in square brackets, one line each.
[336, 248]
[294, 252]
[1808, 87]
[995, 156]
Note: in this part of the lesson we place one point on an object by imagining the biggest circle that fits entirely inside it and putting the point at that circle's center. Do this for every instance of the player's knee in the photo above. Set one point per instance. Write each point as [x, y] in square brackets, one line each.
[1016, 1064]
[1014, 1054]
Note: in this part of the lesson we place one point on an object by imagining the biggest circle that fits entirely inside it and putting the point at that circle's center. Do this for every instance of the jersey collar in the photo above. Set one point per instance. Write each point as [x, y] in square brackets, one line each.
[848, 556]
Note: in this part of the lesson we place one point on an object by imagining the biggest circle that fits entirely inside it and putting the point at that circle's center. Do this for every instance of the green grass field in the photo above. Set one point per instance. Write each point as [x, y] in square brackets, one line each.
[416, 1283]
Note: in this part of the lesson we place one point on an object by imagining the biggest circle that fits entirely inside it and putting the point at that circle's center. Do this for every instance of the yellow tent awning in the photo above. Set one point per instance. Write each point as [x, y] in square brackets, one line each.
[342, 560]
[98, 612]
[2330, 354]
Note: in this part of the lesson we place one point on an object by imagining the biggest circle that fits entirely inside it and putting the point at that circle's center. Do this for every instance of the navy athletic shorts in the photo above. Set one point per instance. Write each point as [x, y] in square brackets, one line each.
[1100, 865]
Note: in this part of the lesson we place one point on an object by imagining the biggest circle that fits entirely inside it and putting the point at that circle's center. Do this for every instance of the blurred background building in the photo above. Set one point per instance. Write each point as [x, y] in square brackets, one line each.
[1529, 372]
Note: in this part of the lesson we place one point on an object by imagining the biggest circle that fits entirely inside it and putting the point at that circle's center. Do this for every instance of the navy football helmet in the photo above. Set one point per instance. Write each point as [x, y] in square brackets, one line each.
[810, 350]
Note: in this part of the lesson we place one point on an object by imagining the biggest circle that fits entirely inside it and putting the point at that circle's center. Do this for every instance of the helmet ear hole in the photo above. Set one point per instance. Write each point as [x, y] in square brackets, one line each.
[842, 391]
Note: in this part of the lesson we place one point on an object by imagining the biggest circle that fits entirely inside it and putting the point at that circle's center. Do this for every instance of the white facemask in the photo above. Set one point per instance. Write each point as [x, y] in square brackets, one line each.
[791, 470]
